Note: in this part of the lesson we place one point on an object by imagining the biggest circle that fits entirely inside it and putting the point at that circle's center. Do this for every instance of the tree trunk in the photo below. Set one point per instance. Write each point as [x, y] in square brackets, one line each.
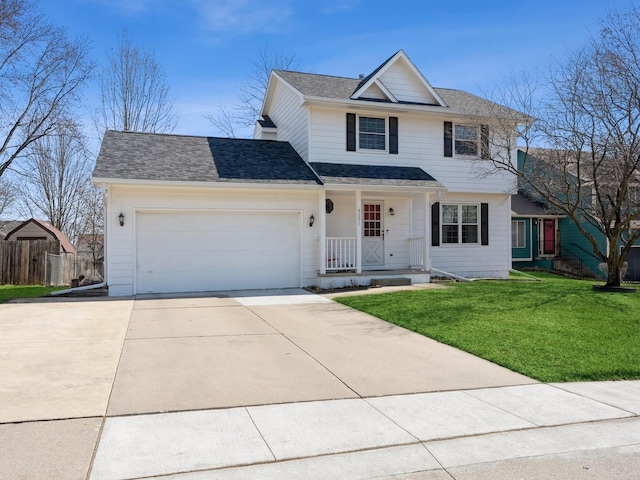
[614, 265]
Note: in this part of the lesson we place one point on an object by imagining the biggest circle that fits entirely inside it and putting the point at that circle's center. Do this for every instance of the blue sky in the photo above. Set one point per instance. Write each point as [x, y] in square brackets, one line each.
[206, 46]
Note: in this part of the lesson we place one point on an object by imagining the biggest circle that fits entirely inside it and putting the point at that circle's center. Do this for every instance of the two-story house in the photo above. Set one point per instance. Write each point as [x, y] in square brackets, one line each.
[347, 180]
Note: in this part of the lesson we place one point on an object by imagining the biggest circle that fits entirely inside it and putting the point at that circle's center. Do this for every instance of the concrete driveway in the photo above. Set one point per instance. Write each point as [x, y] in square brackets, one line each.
[164, 384]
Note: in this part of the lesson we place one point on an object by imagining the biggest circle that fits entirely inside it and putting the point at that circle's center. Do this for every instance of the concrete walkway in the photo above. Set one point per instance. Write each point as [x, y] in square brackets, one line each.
[283, 384]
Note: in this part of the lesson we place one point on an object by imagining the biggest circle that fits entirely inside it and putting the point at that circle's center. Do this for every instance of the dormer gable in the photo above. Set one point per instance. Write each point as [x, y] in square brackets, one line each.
[397, 80]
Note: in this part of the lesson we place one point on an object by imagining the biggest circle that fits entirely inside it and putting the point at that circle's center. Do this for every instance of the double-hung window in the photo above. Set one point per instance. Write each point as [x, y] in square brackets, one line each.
[464, 140]
[467, 140]
[372, 133]
[518, 239]
[365, 134]
[460, 223]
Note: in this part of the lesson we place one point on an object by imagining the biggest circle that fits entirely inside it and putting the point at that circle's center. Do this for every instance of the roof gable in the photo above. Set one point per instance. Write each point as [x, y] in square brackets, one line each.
[400, 81]
[396, 82]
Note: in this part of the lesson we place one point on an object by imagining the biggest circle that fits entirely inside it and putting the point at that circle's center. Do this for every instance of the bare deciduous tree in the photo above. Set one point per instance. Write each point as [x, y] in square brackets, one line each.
[55, 179]
[230, 119]
[135, 95]
[40, 75]
[90, 227]
[589, 124]
[7, 194]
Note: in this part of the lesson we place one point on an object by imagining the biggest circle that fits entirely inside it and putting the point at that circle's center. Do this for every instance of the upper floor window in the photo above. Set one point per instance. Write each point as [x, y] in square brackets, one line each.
[372, 133]
[466, 140]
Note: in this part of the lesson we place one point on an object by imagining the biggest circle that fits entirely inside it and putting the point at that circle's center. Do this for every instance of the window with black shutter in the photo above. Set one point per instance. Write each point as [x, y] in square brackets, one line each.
[372, 133]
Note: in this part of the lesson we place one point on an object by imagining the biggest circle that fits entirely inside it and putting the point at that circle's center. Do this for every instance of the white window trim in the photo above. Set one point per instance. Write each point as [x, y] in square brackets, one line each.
[524, 234]
[386, 134]
[459, 242]
[478, 143]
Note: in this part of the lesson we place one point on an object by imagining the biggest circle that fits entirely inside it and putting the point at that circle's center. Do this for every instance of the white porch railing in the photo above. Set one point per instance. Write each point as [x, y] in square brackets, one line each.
[341, 253]
[416, 251]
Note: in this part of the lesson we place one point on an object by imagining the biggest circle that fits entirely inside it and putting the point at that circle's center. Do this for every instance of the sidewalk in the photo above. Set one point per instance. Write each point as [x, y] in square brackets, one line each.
[583, 430]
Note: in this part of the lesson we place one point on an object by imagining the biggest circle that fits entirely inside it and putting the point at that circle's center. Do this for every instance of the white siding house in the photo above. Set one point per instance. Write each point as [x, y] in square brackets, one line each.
[346, 180]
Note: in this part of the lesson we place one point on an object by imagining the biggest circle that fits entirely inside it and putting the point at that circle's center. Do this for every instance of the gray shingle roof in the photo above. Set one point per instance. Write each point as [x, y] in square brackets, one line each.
[347, 174]
[180, 158]
[342, 88]
[522, 205]
[326, 86]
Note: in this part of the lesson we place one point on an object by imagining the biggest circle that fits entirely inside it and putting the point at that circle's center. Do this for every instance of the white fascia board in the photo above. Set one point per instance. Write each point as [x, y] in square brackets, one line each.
[445, 112]
[177, 184]
[373, 79]
[386, 91]
[269, 95]
[388, 188]
[422, 78]
[412, 67]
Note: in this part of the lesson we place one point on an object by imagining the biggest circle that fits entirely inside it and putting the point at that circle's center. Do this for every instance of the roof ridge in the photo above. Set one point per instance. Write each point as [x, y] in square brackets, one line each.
[183, 135]
[316, 74]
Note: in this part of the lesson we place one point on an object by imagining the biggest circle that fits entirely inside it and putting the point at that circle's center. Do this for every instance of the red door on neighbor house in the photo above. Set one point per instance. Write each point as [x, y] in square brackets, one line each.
[549, 237]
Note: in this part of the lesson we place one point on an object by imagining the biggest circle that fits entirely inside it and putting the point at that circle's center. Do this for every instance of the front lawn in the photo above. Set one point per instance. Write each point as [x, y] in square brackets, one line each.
[9, 292]
[558, 330]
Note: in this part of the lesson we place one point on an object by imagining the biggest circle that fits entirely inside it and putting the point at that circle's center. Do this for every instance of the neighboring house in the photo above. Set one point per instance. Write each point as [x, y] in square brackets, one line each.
[33, 229]
[91, 243]
[347, 180]
[546, 239]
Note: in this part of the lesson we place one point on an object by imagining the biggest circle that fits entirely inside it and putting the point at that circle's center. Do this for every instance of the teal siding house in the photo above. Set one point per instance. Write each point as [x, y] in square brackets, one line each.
[548, 240]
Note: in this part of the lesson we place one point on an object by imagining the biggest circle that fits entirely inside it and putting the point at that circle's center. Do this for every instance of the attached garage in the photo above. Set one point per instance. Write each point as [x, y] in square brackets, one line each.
[191, 251]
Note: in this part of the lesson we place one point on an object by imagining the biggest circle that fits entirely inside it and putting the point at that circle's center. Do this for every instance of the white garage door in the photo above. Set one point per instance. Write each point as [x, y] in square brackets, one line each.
[207, 251]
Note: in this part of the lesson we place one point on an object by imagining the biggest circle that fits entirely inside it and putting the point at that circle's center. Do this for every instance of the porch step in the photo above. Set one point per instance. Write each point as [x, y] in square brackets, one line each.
[390, 282]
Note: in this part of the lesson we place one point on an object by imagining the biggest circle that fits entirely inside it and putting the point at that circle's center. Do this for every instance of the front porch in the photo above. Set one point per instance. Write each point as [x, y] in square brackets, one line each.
[373, 235]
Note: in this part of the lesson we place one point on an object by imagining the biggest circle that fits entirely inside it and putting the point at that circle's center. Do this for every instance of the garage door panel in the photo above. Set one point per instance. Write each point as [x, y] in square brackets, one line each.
[201, 251]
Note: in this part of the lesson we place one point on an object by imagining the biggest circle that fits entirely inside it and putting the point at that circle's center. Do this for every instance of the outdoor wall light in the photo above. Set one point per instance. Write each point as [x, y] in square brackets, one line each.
[121, 219]
[391, 211]
[312, 219]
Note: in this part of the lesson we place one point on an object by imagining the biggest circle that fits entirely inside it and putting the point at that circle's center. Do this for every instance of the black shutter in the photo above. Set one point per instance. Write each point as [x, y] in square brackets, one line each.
[484, 224]
[351, 132]
[448, 139]
[484, 142]
[435, 224]
[393, 134]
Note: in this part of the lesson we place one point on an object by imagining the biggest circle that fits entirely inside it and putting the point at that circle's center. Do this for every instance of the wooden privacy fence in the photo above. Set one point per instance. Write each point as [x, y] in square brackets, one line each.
[23, 262]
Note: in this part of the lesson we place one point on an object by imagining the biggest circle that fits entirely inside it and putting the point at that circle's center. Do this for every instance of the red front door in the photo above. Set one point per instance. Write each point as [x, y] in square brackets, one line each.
[549, 237]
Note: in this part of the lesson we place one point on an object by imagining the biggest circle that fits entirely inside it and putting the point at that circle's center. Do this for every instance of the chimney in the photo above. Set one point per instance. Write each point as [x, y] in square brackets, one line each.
[361, 76]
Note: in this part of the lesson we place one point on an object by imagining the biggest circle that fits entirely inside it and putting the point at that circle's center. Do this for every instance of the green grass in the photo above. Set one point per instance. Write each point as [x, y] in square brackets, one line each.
[558, 330]
[9, 292]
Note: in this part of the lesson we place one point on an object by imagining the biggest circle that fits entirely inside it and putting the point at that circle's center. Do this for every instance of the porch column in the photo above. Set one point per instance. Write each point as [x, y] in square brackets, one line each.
[358, 231]
[322, 231]
[427, 233]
